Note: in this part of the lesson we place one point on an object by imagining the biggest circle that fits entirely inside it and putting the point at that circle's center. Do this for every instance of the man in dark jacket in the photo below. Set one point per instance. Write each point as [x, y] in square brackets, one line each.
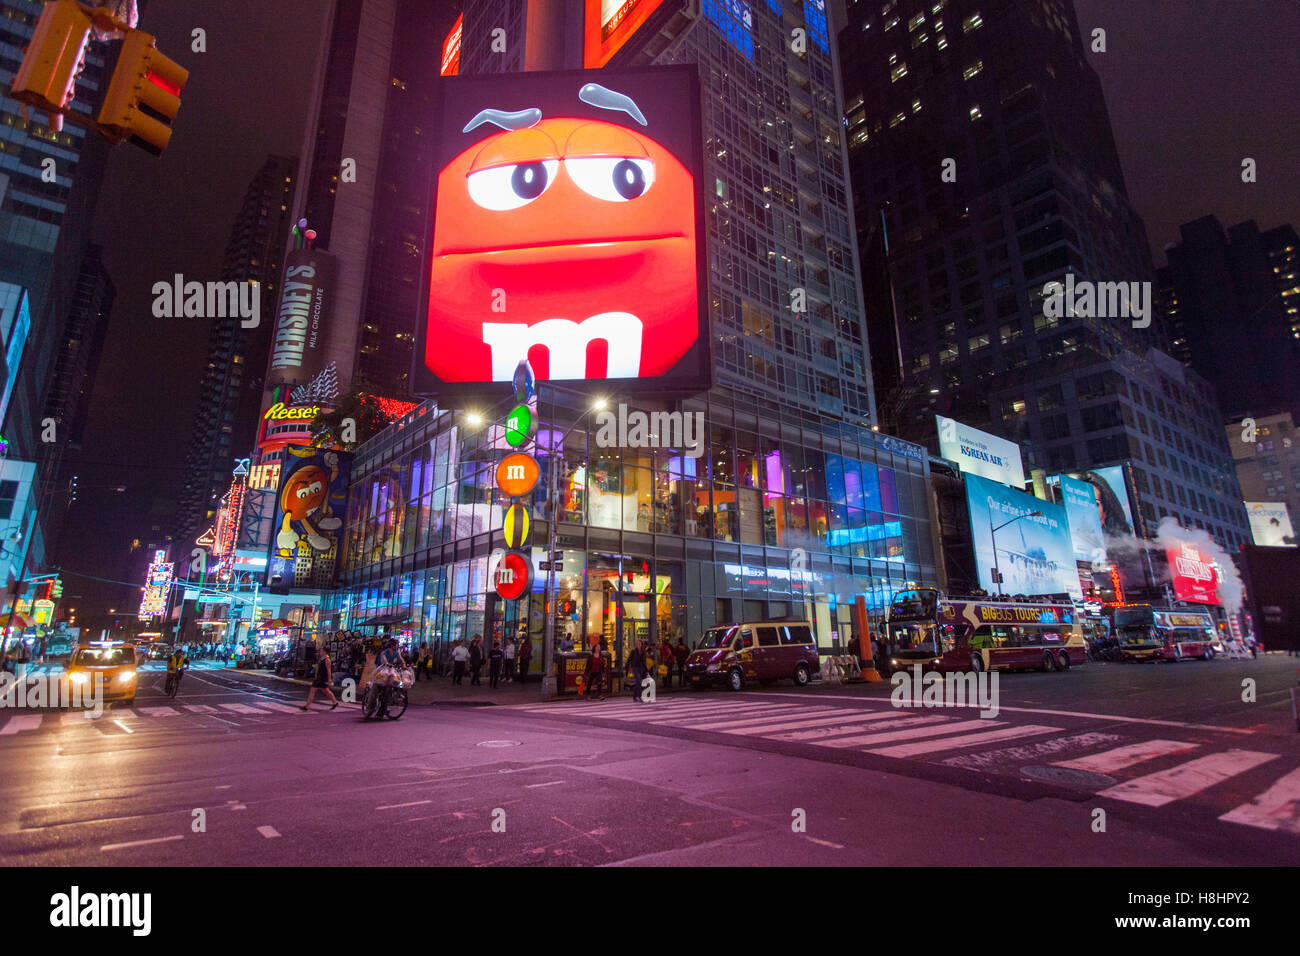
[681, 651]
[637, 664]
[475, 659]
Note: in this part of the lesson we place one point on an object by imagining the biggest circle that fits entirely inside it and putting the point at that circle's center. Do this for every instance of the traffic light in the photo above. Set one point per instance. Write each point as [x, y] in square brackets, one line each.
[143, 96]
[56, 589]
[55, 55]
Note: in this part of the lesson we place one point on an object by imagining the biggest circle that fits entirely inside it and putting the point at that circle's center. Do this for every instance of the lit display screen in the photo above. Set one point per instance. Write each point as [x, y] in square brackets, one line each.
[608, 24]
[566, 230]
[451, 49]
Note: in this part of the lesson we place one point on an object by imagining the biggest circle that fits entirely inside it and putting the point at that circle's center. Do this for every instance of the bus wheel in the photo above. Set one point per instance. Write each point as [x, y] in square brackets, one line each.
[736, 679]
[976, 662]
[1065, 661]
[1049, 662]
[1209, 653]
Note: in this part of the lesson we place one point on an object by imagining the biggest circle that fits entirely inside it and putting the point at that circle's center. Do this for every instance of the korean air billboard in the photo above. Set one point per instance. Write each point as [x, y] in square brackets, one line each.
[979, 453]
[1033, 552]
[567, 229]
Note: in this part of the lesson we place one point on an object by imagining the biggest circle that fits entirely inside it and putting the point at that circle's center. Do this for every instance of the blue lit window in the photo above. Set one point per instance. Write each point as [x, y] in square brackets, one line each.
[775, 7]
[734, 22]
[814, 14]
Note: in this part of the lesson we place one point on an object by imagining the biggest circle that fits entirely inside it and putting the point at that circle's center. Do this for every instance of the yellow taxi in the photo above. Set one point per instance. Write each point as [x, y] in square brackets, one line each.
[110, 662]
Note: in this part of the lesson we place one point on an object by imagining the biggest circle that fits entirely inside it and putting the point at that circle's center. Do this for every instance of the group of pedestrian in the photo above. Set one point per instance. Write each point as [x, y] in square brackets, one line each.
[506, 663]
[208, 650]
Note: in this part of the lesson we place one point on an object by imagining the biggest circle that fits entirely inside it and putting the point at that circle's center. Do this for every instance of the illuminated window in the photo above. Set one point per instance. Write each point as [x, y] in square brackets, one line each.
[915, 22]
[893, 58]
[972, 70]
[891, 24]
[939, 6]
[943, 43]
[898, 118]
[948, 353]
[898, 72]
[916, 106]
[975, 113]
[972, 22]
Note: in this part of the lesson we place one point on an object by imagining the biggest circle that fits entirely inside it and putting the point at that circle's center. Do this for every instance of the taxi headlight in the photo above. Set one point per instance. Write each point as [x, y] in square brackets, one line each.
[78, 677]
[712, 668]
[126, 676]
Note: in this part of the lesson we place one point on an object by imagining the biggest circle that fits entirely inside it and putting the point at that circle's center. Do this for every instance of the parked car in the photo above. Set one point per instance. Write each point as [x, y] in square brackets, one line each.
[765, 651]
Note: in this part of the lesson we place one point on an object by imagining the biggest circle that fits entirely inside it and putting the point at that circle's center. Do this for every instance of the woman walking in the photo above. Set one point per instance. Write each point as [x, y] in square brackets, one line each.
[324, 678]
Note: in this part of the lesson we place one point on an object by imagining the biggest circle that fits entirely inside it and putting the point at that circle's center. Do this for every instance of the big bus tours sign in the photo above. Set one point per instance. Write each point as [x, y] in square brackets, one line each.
[568, 231]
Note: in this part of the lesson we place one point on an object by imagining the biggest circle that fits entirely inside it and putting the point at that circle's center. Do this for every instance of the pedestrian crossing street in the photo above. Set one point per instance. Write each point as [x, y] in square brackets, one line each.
[17, 722]
[1113, 762]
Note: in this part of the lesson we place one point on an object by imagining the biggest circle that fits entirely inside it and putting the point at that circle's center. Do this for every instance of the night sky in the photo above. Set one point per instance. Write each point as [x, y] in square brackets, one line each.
[1192, 86]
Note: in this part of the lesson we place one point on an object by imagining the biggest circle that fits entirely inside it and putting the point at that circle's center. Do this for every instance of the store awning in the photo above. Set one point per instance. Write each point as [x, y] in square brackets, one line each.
[278, 624]
[16, 619]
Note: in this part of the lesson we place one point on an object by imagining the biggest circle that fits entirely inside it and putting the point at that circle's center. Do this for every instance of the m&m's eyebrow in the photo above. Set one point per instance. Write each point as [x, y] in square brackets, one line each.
[606, 99]
[506, 120]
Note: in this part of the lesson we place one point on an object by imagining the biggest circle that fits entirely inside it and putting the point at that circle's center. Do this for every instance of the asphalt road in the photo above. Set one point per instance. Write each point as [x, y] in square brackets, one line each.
[1183, 771]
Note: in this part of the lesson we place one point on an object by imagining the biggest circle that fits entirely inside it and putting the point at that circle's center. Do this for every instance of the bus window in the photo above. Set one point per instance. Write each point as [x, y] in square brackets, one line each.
[746, 639]
[768, 637]
[947, 638]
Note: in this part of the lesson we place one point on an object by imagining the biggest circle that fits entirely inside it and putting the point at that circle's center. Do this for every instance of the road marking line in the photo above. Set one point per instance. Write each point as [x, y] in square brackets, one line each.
[963, 740]
[21, 722]
[668, 709]
[829, 732]
[734, 717]
[774, 713]
[1277, 808]
[1122, 757]
[834, 846]
[122, 846]
[269, 832]
[1166, 786]
[943, 726]
[987, 758]
[551, 783]
[124, 727]
[158, 711]
[413, 803]
[199, 708]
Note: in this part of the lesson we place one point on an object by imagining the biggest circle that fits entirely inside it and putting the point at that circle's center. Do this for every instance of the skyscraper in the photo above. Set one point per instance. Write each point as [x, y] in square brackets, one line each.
[230, 393]
[1233, 301]
[982, 158]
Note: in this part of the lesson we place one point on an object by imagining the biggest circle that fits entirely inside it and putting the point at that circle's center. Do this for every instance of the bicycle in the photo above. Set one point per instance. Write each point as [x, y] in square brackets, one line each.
[388, 701]
[173, 683]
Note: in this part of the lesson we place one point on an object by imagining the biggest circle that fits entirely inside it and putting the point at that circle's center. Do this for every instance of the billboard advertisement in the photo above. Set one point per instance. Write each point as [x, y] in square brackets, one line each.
[1111, 491]
[979, 453]
[309, 510]
[1084, 516]
[567, 230]
[451, 49]
[608, 24]
[301, 343]
[1034, 554]
[1193, 574]
[1270, 524]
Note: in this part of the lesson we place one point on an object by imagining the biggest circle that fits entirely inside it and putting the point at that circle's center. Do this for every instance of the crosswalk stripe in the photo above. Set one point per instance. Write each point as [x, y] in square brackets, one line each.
[943, 725]
[735, 718]
[282, 708]
[809, 714]
[1277, 808]
[199, 708]
[158, 711]
[825, 733]
[1166, 786]
[1121, 757]
[963, 740]
[788, 721]
[20, 722]
[625, 708]
[243, 709]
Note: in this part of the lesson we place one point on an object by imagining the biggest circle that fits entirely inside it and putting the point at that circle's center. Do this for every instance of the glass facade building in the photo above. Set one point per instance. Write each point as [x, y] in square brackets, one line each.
[780, 513]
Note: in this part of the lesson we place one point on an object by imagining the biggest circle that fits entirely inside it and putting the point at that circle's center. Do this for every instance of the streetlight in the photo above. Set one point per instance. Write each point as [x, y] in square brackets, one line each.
[997, 575]
[553, 507]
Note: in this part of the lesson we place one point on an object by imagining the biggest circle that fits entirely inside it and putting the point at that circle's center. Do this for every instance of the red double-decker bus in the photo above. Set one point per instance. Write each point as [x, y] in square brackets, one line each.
[971, 634]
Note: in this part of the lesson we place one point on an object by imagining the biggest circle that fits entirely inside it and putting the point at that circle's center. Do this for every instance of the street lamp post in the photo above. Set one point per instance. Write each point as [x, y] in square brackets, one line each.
[553, 507]
[997, 574]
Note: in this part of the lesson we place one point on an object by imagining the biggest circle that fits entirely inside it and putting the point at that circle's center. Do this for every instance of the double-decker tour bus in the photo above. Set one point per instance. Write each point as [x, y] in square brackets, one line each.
[976, 634]
[1170, 634]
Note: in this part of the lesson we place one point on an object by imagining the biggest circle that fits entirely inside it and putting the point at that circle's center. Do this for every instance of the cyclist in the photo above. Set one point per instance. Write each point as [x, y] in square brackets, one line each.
[391, 656]
[176, 665]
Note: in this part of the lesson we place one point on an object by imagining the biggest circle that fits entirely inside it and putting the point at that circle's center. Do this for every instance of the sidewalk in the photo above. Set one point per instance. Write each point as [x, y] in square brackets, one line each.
[440, 690]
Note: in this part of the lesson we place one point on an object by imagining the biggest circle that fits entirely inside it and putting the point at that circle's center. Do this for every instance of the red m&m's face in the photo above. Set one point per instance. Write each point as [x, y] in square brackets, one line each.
[570, 243]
